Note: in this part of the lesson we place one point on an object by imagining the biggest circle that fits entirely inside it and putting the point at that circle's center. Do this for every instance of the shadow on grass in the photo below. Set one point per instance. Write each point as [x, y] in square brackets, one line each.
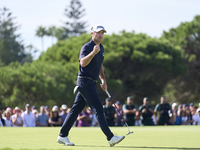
[32, 149]
[135, 147]
[177, 148]
[121, 147]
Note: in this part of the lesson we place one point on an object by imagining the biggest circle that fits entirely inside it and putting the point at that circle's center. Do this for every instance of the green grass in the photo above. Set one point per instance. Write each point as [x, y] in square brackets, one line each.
[143, 138]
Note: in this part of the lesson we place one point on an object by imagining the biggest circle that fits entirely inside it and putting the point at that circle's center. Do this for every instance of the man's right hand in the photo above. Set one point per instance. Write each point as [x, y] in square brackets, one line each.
[144, 110]
[87, 59]
[96, 49]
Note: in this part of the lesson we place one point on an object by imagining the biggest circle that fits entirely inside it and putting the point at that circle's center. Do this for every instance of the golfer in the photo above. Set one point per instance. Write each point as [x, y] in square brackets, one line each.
[90, 69]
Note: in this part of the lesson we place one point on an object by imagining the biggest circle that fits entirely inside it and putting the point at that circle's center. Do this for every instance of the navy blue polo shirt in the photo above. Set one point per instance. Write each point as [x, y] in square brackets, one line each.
[92, 70]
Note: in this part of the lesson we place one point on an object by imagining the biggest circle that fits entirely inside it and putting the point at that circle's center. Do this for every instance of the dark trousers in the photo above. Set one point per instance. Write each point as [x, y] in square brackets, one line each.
[164, 120]
[87, 95]
[147, 121]
[130, 122]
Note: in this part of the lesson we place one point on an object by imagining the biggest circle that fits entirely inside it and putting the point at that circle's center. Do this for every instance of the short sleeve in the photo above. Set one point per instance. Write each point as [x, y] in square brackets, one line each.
[124, 107]
[140, 109]
[156, 108]
[84, 52]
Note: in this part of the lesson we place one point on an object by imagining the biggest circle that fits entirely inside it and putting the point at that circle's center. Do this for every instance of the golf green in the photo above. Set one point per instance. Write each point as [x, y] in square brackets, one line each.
[91, 138]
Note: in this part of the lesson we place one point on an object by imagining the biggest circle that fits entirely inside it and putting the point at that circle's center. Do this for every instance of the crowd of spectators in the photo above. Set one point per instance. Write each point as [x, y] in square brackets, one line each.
[146, 115]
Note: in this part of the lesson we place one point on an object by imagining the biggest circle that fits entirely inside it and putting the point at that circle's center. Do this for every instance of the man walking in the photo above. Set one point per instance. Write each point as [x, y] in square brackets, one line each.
[90, 68]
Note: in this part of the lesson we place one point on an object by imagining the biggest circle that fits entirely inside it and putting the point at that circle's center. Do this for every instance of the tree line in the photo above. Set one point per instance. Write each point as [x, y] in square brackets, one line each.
[74, 26]
[135, 65]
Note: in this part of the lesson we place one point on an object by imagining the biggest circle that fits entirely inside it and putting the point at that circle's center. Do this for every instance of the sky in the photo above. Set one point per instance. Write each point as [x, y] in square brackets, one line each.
[151, 17]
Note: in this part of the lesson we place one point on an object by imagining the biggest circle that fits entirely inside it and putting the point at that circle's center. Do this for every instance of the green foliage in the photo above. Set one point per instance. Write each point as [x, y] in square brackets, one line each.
[11, 49]
[187, 37]
[144, 65]
[41, 32]
[65, 51]
[134, 64]
[37, 83]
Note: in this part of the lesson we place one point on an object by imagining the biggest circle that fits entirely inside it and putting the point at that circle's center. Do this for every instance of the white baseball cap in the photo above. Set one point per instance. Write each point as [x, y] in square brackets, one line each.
[98, 28]
[64, 106]
[174, 104]
[55, 108]
[35, 111]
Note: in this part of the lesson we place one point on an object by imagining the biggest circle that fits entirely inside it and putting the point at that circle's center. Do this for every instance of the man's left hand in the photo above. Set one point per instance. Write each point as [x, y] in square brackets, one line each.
[103, 86]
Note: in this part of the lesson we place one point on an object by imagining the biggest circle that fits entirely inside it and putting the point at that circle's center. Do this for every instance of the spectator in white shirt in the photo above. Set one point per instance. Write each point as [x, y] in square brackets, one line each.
[7, 117]
[28, 117]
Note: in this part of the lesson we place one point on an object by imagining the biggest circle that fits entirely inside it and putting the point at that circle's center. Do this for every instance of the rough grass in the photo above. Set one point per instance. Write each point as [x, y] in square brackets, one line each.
[143, 138]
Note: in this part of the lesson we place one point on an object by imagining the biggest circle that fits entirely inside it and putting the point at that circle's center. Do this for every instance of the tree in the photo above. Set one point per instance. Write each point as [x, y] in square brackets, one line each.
[11, 49]
[41, 32]
[51, 31]
[135, 64]
[37, 83]
[187, 37]
[74, 26]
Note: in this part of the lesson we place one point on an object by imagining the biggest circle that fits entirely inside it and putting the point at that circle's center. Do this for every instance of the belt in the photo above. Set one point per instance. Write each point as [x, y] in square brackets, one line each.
[87, 78]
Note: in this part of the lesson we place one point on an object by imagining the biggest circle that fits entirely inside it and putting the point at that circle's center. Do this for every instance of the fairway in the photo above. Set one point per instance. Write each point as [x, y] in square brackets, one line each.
[91, 138]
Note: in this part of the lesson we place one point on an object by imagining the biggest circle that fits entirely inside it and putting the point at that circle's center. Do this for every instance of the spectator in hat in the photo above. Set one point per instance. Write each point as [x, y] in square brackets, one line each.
[55, 119]
[28, 117]
[7, 117]
[9, 109]
[179, 110]
[63, 114]
[193, 111]
[35, 112]
[33, 108]
[42, 118]
[177, 120]
[93, 118]
[146, 110]
[173, 112]
[17, 120]
[119, 119]
[84, 119]
[184, 107]
[195, 114]
[189, 120]
[183, 117]
[191, 107]
[47, 111]
[110, 112]
[174, 107]
[129, 110]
